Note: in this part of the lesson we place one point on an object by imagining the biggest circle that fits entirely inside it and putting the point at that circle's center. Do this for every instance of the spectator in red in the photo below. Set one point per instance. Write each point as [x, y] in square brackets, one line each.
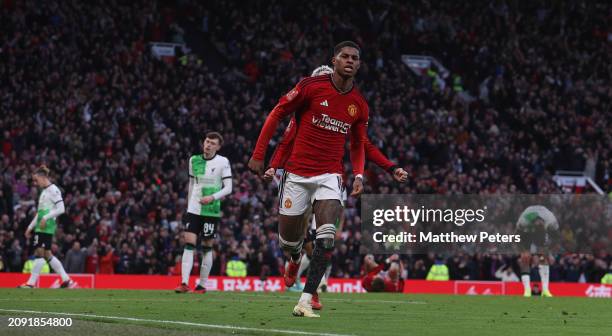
[91, 263]
[108, 261]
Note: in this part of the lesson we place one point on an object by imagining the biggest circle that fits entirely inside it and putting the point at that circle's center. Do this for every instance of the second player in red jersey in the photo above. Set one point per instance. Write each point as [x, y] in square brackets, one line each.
[384, 277]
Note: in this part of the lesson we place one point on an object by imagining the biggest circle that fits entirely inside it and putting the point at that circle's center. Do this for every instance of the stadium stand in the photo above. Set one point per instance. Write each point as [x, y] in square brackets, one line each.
[82, 93]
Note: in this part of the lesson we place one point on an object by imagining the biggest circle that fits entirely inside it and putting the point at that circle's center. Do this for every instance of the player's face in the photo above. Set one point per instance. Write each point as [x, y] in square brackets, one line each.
[210, 147]
[347, 62]
[39, 180]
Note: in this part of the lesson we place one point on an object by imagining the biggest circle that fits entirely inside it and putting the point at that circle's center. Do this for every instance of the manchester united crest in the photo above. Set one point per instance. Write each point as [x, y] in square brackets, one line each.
[288, 203]
[352, 110]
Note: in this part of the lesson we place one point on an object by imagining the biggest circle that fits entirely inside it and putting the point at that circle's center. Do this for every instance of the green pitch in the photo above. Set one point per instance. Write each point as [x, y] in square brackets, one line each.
[151, 313]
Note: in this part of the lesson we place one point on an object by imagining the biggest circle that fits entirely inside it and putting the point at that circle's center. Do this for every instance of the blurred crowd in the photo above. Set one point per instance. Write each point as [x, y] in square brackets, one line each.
[82, 94]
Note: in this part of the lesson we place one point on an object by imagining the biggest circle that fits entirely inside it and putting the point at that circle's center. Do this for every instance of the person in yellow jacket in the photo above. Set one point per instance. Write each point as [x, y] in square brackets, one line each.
[27, 267]
[438, 271]
[236, 268]
[607, 279]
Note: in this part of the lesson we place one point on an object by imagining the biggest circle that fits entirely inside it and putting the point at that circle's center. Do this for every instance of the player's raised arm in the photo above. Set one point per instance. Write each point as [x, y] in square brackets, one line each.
[283, 149]
[287, 104]
[373, 154]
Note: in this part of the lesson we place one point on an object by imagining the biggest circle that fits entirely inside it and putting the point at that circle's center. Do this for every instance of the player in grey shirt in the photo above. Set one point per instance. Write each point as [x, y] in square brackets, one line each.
[539, 229]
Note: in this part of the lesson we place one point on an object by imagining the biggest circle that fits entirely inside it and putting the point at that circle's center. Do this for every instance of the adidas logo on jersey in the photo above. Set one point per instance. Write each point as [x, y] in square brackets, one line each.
[324, 103]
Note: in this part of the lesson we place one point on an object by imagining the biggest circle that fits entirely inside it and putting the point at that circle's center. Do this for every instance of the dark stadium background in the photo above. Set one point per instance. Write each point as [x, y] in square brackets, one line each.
[81, 92]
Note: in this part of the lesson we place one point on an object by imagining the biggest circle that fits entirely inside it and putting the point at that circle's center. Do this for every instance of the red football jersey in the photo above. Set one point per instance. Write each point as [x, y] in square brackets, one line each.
[324, 119]
[390, 285]
[285, 146]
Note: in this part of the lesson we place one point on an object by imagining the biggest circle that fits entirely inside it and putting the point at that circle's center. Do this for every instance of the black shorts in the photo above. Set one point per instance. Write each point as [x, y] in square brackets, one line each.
[201, 225]
[41, 239]
[538, 242]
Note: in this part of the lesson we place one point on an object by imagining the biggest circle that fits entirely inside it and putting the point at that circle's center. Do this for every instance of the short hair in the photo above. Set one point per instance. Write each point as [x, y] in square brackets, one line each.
[343, 44]
[378, 285]
[214, 135]
[42, 170]
[322, 70]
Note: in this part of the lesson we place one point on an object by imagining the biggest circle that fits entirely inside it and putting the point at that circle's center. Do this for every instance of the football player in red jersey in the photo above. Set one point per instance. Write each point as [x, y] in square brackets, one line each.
[278, 160]
[327, 110]
[385, 277]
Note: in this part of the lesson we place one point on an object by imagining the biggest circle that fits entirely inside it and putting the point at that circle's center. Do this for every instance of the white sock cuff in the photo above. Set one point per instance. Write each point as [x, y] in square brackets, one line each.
[326, 231]
[294, 247]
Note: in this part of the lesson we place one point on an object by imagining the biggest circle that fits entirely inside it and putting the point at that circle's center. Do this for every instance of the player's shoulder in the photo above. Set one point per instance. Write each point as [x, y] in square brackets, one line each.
[358, 95]
[537, 208]
[222, 159]
[54, 189]
[315, 81]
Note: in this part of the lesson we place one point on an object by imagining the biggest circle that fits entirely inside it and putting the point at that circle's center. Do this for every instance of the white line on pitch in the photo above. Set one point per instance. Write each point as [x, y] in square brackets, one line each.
[323, 298]
[193, 324]
[207, 298]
